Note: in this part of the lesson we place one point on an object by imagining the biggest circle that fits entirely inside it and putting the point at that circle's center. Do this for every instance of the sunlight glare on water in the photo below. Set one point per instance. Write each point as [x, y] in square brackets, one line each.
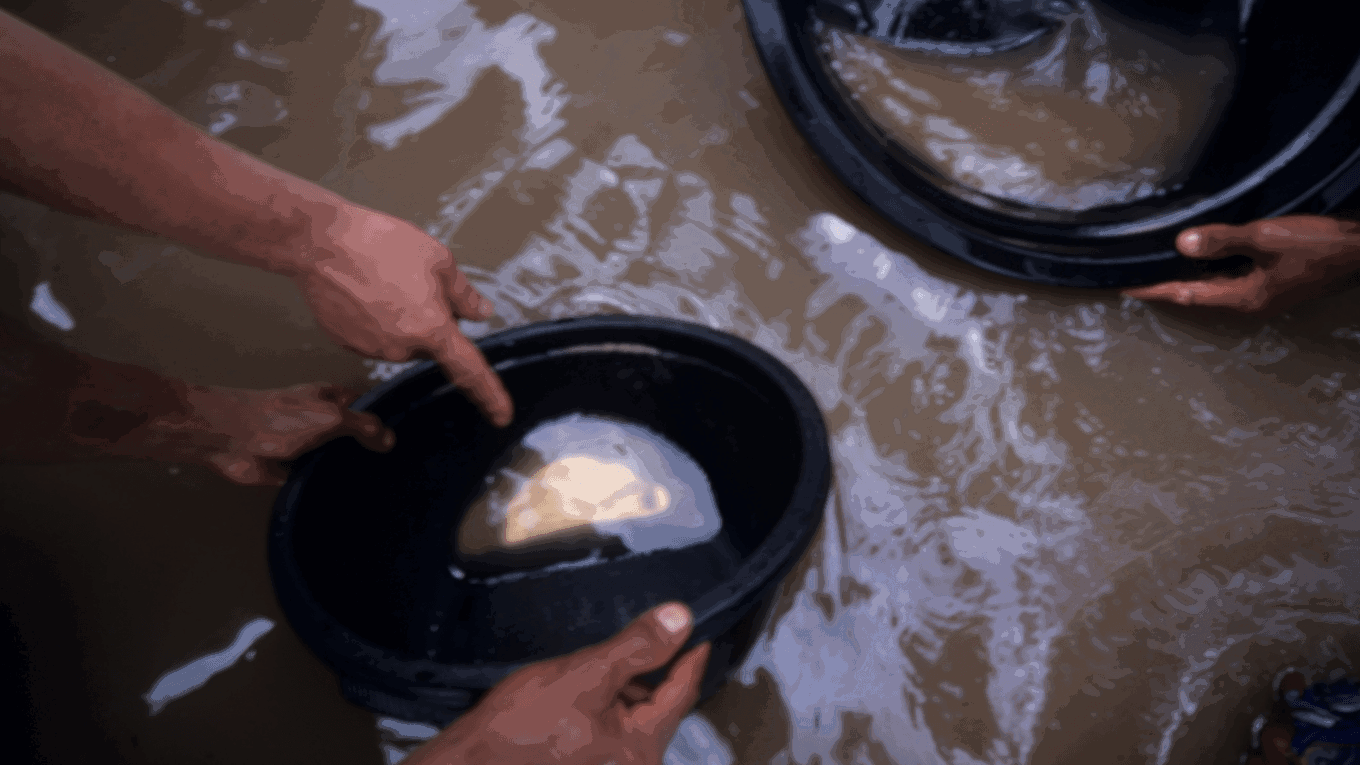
[1037, 505]
[1021, 486]
[1063, 527]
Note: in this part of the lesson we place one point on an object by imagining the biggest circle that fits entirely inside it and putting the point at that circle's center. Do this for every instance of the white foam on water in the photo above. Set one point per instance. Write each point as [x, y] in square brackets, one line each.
[46, 307]
[447, 43]
[688, 513]
[188, 678]
[1028, 490]
[696, 742]
[989, 541]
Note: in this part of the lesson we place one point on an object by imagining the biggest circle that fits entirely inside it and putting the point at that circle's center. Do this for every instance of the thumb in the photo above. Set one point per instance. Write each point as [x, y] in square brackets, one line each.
[1215, 241]
[247, 471]
[673, 699]
[649, 643]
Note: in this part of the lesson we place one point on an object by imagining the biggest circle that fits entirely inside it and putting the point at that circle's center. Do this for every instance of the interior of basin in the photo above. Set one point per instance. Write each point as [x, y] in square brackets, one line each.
[582, 488]
[1111, 119]
[371, 531]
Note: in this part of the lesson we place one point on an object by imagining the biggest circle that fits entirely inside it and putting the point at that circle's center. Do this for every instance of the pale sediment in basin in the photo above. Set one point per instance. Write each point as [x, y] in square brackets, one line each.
[588, 479]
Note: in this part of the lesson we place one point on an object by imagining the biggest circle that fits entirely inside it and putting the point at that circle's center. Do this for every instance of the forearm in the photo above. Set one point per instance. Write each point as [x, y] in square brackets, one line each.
[60, 406]
[79, 138]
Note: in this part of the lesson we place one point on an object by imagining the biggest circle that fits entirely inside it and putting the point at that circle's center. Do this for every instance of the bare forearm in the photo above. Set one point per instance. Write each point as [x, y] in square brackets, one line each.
[79, 138]
[57, 405]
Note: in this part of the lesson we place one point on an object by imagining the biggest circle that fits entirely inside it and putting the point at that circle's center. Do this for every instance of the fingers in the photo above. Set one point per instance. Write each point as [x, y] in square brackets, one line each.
[1275, 746]
[1292, 683]
[1215, 241]
[466, 368]
[365, 427]
[1246, 293]
[247, 471]
[466, 301]
[648, 643]
[635, 693]
[673, 699]
[337, 394]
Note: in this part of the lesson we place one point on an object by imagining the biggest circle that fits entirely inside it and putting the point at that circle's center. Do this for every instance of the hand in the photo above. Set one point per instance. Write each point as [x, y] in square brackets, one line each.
[60, 406]
[586, 708]
[1278, 735]
[382, 288]
[1294, 258]
[244, 434]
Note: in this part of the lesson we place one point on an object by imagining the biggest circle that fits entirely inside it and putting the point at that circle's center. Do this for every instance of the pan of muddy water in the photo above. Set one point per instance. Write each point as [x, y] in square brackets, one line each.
[1075, 155]
[650, 460]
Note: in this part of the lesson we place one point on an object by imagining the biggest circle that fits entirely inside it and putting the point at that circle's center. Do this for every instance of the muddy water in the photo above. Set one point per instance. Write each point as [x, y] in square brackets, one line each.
[1065, 527]
[577, 482]
[1098, 113]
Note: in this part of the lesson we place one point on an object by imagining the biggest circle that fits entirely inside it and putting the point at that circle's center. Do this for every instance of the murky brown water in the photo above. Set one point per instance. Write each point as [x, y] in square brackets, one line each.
[1099, 113]
[1066, 528]
[577, 482]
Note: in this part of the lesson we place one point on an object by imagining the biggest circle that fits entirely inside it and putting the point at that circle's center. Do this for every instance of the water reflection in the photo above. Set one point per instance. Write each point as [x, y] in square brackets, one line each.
[447, 44]
[193, 675]
[695, 742]
[1063, 528]
[583, 482]
[1004, 467]
[45, 306]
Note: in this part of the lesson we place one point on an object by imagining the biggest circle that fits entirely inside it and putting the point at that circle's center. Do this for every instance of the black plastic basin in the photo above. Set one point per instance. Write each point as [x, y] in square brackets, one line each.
[1288, 142]
[359, 546]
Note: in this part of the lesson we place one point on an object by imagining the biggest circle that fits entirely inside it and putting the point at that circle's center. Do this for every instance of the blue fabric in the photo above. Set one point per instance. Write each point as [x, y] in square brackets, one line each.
[1331, 754]
[1327, 723]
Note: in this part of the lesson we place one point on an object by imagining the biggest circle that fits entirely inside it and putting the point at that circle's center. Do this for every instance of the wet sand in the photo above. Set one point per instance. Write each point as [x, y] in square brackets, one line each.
[1065, 527]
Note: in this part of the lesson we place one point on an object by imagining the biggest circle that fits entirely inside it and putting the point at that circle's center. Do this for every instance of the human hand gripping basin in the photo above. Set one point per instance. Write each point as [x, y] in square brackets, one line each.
[366, 551]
